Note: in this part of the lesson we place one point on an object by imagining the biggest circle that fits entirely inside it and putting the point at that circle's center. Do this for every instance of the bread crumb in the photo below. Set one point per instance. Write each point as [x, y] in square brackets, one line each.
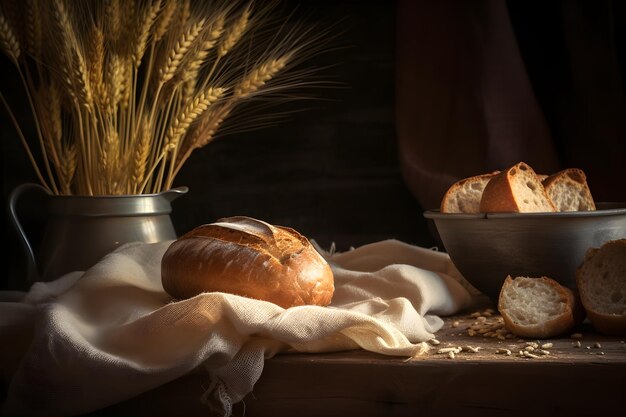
[576, 344]
[597, 345]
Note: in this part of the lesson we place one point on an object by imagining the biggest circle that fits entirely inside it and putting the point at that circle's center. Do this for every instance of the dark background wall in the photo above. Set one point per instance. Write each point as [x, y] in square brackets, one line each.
[332, 169]
[329, 170]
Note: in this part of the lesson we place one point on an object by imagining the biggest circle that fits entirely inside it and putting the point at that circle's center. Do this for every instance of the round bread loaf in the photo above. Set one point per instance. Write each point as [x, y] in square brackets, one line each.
[247, 257]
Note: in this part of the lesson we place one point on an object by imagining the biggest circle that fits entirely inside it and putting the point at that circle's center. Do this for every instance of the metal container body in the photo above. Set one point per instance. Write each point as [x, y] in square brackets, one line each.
[80, 230]
[486, 248]
[75, 243]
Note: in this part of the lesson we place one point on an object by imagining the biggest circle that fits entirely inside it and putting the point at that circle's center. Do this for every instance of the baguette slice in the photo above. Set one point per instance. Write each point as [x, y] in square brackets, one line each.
[569, 191]
[601, 281]
[537, 307]
[464, 195]
[516, 189]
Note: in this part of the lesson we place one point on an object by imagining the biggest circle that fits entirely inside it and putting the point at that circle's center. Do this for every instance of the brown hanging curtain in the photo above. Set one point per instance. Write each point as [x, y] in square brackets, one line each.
[482, 85]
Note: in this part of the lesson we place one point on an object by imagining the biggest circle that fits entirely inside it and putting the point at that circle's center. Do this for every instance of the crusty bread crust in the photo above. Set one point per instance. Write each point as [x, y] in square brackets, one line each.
[502, 194]
[556, 325]
[569, 191]
[464, 195]
[601, 282]
[250, 258]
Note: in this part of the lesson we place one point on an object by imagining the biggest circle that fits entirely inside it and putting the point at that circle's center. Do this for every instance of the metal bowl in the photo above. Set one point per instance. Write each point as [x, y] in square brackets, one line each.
[487, 247]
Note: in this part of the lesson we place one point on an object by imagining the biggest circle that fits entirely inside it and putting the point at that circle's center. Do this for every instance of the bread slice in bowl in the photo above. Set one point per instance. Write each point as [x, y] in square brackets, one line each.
[601, 281]
[538, 307]
[569, 191]
[515, 190]
[464, 195]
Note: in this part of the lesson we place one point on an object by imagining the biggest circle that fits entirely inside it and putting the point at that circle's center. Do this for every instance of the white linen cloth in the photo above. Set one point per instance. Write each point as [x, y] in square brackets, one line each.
[111, 333]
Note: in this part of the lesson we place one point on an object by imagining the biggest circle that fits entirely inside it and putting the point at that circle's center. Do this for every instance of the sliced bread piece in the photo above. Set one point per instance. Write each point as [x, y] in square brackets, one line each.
[601, 281]
[515, 190]
[464, 195]
[569, 191]
[537, 307]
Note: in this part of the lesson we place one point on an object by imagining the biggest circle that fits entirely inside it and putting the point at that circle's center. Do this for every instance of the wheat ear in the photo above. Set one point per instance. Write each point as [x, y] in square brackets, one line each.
[74, 69]
[95, 54]
[201, 134]
[140, 156]
[50, 113]
[190, 71]
[164, 20]
[114, 82]
[184, 14]
[33, 27]
[109, 157]
[78, 79]
[189, 113]
[8, 41]
[148, 17]
[68, 167]
[257, 78]
[112, 20]
[234, 33]
[177, 53]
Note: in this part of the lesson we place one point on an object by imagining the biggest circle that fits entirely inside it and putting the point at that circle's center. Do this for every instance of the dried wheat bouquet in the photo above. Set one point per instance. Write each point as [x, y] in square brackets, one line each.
[122, 92]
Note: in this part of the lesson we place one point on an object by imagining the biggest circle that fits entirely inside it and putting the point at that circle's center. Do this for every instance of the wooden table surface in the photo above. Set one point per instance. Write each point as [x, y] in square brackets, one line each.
[565, 380]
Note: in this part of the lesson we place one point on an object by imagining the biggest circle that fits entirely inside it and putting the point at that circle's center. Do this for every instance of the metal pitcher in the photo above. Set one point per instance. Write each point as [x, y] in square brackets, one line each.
[80, 230]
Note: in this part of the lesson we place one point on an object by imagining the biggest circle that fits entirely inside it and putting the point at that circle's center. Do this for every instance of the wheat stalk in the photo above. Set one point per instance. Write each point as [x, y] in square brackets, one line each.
[123, 92]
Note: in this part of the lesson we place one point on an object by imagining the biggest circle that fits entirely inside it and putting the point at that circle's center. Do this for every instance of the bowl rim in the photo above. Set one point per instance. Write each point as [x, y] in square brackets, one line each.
[617, 210]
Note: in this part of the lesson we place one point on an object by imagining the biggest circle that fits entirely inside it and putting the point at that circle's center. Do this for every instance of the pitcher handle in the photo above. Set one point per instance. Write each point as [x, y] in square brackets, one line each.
[32, 272]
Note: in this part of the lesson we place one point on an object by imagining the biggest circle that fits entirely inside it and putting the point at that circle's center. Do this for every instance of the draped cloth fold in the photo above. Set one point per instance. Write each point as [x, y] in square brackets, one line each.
[111, 333]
